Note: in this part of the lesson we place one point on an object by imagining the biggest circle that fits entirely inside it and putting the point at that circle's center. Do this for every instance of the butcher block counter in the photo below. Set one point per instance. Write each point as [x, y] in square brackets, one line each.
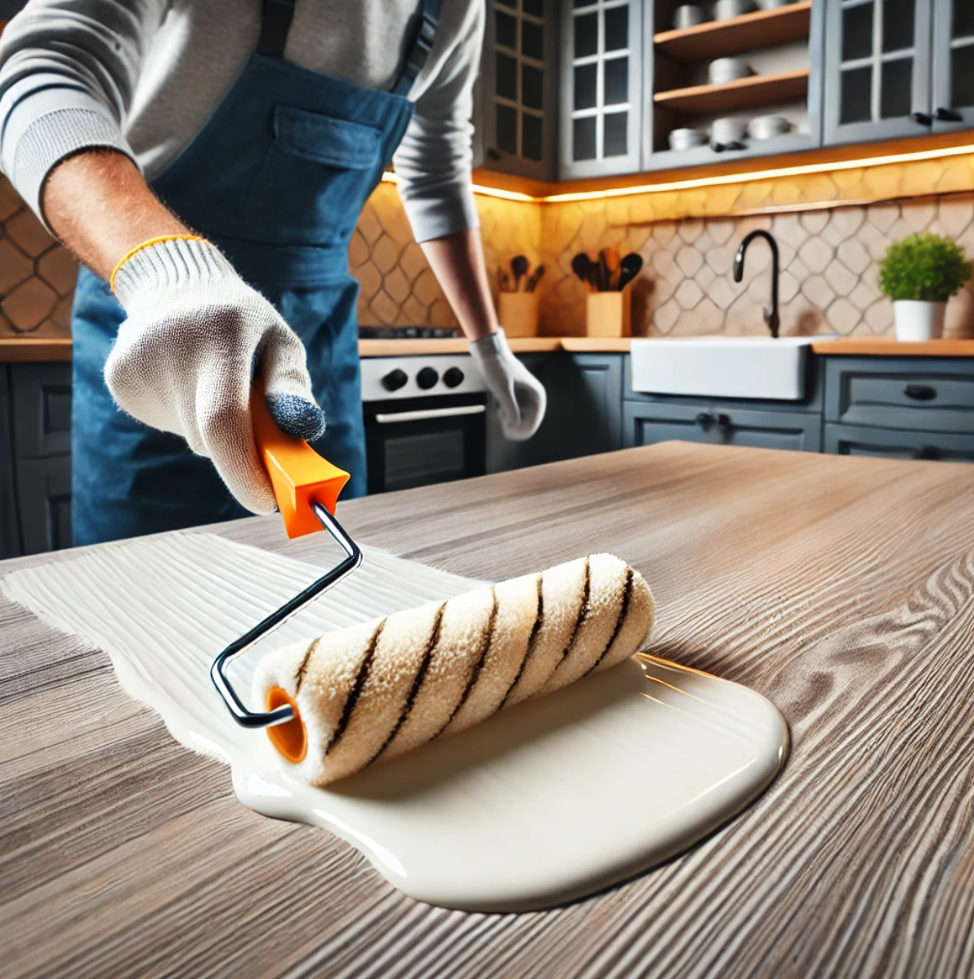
[840, 588]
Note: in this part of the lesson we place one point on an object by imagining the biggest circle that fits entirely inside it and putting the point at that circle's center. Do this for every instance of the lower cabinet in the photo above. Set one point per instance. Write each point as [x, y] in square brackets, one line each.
[35, 459]
[584, 414]
[854, 440]
[647, 423]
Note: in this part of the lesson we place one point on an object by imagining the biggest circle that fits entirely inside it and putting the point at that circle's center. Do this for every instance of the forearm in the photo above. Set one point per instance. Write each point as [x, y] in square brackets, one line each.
[100, 206]
[458, 264]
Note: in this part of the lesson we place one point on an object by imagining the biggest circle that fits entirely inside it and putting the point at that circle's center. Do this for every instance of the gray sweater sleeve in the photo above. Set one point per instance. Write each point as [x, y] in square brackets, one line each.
[435, 157]
[67, 74]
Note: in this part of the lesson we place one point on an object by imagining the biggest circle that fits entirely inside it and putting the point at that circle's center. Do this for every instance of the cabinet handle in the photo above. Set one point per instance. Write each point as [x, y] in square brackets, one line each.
[723, 420]
[722, 147]
[923, 118]
[493, 154]
[920, 392]
[948, 115]
[926, 452]
[705, 419]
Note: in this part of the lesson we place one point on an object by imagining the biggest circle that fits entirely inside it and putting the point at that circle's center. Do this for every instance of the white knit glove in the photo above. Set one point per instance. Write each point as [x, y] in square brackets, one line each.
[184, 360]
[520, 396]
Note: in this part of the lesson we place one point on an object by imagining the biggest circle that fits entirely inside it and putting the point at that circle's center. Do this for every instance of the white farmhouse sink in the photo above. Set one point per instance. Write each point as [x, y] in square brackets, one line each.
[758, 368]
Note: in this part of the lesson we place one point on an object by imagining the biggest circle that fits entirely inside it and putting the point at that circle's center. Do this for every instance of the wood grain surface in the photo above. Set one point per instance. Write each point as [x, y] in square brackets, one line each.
[840, 588]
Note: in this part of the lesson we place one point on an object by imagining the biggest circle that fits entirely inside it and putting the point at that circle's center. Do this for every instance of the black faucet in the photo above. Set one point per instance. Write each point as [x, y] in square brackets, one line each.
[770, 315]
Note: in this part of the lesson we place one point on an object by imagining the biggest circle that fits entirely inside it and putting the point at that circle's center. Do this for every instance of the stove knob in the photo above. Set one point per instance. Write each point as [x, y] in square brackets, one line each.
[395, 379]
[427, 378]
[453, 378]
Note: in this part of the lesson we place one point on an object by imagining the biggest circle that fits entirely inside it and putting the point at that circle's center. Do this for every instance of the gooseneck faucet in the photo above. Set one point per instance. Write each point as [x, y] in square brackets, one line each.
[770, 315]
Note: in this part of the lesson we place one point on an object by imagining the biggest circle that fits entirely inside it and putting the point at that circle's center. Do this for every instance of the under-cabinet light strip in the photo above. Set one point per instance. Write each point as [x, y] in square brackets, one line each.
[718, 181]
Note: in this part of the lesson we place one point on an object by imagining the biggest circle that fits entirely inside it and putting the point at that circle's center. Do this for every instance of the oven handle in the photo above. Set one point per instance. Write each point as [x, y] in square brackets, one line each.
[418, 416]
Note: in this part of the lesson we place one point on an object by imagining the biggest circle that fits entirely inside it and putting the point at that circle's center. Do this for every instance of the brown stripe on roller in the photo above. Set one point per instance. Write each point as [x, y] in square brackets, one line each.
[299, 676]
[363, 675]
[532, 639]
[417, 685]
[626, 596]
[485, 644]
[582, 612]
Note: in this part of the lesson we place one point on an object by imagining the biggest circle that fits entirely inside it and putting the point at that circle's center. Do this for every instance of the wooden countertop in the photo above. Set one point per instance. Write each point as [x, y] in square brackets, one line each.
[58, 349]
[890, 347]
[838, 587]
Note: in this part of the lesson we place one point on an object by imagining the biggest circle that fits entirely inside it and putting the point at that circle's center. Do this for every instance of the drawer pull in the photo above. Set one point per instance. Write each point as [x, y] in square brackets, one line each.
[723, 421]
[705, 419]
[926, 452]
[920, 392]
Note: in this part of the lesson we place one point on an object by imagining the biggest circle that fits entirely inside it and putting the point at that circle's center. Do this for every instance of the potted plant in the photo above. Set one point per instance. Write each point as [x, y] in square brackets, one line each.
[920, 273]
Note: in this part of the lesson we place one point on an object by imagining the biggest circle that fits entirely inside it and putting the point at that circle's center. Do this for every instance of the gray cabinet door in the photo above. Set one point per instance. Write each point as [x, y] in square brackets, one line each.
[601, 87]
[922, 394]
[953, 65]
[878, 69]
[44, 494]
[518, 88]
[647, 424]
[854, 440]
[42, 409]
[584, 413]
[9, 522]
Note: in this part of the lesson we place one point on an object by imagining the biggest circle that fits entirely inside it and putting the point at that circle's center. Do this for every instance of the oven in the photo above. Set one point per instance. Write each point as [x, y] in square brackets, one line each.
[425, 420]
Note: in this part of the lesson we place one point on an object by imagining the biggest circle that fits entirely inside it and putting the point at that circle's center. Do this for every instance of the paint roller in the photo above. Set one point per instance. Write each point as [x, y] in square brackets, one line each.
[338, 703]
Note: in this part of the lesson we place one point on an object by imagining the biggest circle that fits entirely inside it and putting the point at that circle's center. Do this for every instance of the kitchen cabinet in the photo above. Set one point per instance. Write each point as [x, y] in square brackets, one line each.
[858, 440]
[518, 88]
[898, 68]
[35, 459]
[784, 48]
[924, 394]
[716, 424]
[584, 414]
[601, 87]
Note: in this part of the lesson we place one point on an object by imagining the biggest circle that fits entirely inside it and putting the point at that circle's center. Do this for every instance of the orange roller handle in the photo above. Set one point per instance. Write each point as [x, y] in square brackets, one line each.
[298, 474]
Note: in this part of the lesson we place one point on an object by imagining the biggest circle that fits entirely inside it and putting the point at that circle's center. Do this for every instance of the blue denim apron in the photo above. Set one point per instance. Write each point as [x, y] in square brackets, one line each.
[277, 179]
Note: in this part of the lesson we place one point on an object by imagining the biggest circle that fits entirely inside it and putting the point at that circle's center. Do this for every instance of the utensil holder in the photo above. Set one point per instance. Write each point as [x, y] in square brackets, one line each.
[609, 314]
[518, 313]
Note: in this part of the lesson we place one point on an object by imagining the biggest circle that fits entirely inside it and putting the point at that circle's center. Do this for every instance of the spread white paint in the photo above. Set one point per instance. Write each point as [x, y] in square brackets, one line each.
[544, 802]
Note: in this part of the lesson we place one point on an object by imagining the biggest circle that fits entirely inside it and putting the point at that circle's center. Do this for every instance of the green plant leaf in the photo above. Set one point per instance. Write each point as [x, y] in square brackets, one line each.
[924, 266]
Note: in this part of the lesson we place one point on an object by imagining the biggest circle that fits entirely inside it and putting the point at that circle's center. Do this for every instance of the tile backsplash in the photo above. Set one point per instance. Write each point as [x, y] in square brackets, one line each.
[829, 259]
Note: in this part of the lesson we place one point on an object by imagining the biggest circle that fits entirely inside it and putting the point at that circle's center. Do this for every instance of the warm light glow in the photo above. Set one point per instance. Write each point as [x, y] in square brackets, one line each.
[695, 183]
[505, 195]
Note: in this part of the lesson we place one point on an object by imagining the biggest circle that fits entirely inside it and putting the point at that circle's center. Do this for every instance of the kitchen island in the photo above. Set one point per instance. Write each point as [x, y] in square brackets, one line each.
[838, 587]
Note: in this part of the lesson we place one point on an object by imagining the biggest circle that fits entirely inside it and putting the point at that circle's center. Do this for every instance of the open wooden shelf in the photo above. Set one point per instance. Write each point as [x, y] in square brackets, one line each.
[719, 38]
[744, 93]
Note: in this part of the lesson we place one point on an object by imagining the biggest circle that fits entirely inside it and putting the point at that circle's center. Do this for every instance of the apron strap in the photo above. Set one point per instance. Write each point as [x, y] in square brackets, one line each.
[420, 49]
[275, 22]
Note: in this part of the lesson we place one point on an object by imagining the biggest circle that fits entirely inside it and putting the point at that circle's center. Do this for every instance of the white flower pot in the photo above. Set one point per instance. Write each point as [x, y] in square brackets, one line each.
[919, 320]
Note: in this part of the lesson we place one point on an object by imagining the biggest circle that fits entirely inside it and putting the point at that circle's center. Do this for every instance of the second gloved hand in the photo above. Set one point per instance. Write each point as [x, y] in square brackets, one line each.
[520, 396]
[184, 359]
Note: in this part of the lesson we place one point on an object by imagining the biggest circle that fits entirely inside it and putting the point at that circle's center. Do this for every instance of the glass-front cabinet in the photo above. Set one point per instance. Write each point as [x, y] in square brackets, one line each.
[953, 65]
[518, 93]
[601, 73]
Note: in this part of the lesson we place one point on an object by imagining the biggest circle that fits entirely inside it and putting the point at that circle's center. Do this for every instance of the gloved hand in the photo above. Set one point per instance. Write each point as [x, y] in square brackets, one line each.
[520, 396]
[184, 359]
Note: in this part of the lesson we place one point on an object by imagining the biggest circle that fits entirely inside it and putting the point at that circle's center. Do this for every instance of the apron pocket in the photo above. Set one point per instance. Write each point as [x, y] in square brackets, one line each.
[314, 179]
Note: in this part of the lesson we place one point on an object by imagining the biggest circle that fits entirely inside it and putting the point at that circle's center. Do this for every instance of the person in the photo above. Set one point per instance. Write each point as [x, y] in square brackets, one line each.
[207, 163]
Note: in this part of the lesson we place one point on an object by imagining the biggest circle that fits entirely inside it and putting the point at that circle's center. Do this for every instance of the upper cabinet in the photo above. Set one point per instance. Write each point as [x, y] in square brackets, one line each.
[952, 106]
[590, 88]
[739, 86]
[601, 86]
[878, 76]
[518, 98]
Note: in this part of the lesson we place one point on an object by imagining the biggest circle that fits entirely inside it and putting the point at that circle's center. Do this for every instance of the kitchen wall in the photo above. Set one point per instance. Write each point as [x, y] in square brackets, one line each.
[830, 241]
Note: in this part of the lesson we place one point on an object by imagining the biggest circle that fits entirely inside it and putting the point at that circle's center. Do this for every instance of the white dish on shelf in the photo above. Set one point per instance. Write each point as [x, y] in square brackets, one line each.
[688, 139]
[725, 70]
[729, 9]
[688, 16]
[767, 127]
[728, 129]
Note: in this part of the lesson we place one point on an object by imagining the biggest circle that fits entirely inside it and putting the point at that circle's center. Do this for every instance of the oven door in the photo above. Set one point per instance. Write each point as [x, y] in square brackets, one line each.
[420, 441]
